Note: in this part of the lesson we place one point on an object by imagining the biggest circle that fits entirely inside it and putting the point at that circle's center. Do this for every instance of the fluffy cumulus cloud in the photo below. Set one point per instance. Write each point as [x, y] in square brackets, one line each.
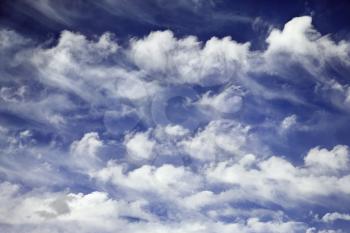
[277, 180]
[140, 146]
[217, 139]
[300, 38]
[173, 134]
[187, 60]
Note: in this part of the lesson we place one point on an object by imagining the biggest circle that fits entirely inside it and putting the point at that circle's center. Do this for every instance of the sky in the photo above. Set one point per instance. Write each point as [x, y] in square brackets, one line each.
[174, 116]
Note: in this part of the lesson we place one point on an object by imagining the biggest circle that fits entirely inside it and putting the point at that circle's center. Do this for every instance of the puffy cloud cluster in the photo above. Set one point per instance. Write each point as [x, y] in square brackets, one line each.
[278, 181]
[139, 146]
[44, 211]
[187, 60]
[69, 212]
[300, 39]
[169, 134]
[216, 140]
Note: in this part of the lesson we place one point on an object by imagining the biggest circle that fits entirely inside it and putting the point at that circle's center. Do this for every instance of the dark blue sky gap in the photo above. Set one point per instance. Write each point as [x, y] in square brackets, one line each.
[220, 18]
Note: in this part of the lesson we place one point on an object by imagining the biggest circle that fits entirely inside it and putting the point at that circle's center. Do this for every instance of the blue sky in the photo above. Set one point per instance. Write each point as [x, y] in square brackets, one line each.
[174, 116]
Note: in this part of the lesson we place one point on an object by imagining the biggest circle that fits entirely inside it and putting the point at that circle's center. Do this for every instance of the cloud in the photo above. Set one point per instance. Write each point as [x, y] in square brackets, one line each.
[95, 139]
[86, 153]
[217, 139]
[288, 122]
[276, 180]
[102, 73]
[166, 180]
[300, 38]
[297, 37]
[176, 130]
[66, 211]
[98, 212]
[228, 101]
[140, 146]
[23, 160]
[331, 217]
[88, 146]
[335, 159]
[65, 64]
[314, 230]
[306, 47]
[186, 60]
[11, 40]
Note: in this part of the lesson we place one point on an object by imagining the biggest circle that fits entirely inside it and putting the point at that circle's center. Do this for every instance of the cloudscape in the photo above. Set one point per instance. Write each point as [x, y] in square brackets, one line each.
[186, 116]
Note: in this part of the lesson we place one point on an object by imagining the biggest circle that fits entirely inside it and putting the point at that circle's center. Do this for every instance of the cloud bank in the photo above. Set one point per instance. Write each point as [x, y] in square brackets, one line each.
[168, 134]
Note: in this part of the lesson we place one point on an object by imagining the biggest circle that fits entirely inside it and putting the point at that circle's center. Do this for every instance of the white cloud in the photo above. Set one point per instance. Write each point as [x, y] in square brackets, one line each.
[277, 180]
[23, 160]
[72, 62]
[314, 230]
[331, 231]
[82, 78]
[331, 217]
[288, 122]
[96, 211]
[176, 130]
[10, 94]
[305, 45]
[140, 146]
[25, 134]
[335, 159]
[228, 101]
[88, 145]
[11, 40]
[216, 139]
[79, 65]
[336, 93]
[85, 152]
[186, 60]
[62, 210]
[166, 180]
[297, 36]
